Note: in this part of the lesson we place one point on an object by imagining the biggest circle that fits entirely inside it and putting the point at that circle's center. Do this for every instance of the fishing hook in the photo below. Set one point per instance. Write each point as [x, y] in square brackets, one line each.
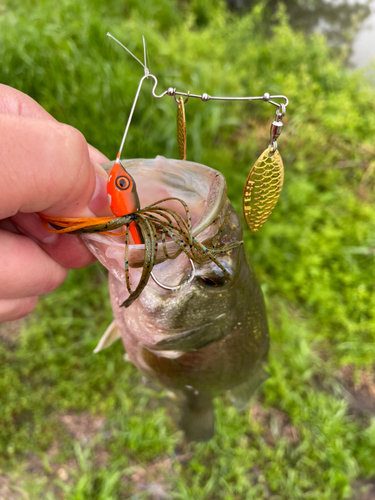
[177, 287]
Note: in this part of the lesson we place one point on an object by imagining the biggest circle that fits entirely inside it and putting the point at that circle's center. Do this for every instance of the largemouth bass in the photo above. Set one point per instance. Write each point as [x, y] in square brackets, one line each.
[211, 334]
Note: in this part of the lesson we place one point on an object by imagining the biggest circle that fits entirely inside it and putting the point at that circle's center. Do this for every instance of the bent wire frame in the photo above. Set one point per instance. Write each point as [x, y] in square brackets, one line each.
[172, 92]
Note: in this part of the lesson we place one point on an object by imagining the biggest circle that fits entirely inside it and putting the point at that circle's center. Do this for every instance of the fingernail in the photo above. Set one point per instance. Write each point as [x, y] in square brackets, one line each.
[99, 201]
[31, 225]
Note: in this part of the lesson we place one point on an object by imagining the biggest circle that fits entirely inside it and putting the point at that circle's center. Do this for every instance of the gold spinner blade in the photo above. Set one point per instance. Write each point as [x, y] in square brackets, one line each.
[263, 188]
[181, 128]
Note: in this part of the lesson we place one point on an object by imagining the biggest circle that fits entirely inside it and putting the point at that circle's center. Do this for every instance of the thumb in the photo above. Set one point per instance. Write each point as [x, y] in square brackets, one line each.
[45, 167]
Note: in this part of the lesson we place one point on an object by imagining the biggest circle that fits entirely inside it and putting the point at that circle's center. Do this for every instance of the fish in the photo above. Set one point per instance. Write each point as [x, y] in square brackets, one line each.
[201, 332]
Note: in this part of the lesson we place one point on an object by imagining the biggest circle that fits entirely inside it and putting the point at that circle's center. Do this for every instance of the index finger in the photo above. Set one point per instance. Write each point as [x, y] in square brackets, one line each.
[45, 166]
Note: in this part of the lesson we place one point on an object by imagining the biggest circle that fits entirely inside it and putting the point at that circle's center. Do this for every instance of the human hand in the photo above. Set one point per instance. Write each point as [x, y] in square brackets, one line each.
[48, 167]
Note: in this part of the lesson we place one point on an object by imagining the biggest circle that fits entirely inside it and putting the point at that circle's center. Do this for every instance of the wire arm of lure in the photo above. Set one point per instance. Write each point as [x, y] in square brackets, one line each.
[206, 97]
[131, 53]
[172, 92]
[145, 77]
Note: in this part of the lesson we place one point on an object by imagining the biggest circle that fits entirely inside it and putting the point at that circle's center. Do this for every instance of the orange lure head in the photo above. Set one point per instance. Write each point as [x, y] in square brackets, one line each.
[122, 193]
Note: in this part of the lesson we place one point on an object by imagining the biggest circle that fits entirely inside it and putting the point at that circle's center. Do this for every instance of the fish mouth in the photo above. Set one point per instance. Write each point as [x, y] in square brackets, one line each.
[192, 339]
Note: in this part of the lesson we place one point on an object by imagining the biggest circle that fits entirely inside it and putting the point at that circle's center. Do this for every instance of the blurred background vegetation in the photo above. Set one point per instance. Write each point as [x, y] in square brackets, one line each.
[78, 426]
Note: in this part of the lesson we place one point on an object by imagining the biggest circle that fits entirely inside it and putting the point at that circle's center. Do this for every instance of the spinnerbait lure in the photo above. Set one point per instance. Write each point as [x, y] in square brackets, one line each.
[154, 223]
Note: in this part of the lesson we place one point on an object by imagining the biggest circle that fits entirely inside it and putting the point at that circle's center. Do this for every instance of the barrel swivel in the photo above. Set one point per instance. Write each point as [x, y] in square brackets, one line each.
[276, 128]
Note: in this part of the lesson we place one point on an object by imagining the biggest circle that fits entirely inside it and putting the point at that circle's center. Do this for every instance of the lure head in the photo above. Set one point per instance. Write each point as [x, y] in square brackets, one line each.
[121, 189]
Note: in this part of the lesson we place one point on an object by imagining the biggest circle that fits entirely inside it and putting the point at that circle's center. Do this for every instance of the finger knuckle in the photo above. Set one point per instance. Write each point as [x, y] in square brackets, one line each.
[28, 304]
[14, 309]
[75, 143]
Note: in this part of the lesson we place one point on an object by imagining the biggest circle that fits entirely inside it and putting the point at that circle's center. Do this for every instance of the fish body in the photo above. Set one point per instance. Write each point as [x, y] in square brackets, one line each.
[206, 337]
[211, 334]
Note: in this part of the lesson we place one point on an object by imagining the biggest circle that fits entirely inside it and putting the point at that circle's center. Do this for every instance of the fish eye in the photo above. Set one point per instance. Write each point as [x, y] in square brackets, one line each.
[209, 281]
[122, 183]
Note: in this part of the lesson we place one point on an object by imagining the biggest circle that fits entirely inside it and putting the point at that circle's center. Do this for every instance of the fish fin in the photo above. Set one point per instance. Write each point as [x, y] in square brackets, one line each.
[242, 394]
[111, 334]
[189, 341]
[167, 354]
[197, 417]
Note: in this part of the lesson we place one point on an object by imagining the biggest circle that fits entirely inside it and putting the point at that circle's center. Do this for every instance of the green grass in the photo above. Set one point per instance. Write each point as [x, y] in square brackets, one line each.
[303, 438]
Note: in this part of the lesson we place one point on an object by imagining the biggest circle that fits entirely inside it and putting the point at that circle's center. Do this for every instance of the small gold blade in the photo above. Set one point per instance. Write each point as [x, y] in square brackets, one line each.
[181, 128]
[262, 189]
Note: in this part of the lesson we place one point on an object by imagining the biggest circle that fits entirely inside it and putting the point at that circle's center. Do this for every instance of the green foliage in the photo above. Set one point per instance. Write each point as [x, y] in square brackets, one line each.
[314, 256]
